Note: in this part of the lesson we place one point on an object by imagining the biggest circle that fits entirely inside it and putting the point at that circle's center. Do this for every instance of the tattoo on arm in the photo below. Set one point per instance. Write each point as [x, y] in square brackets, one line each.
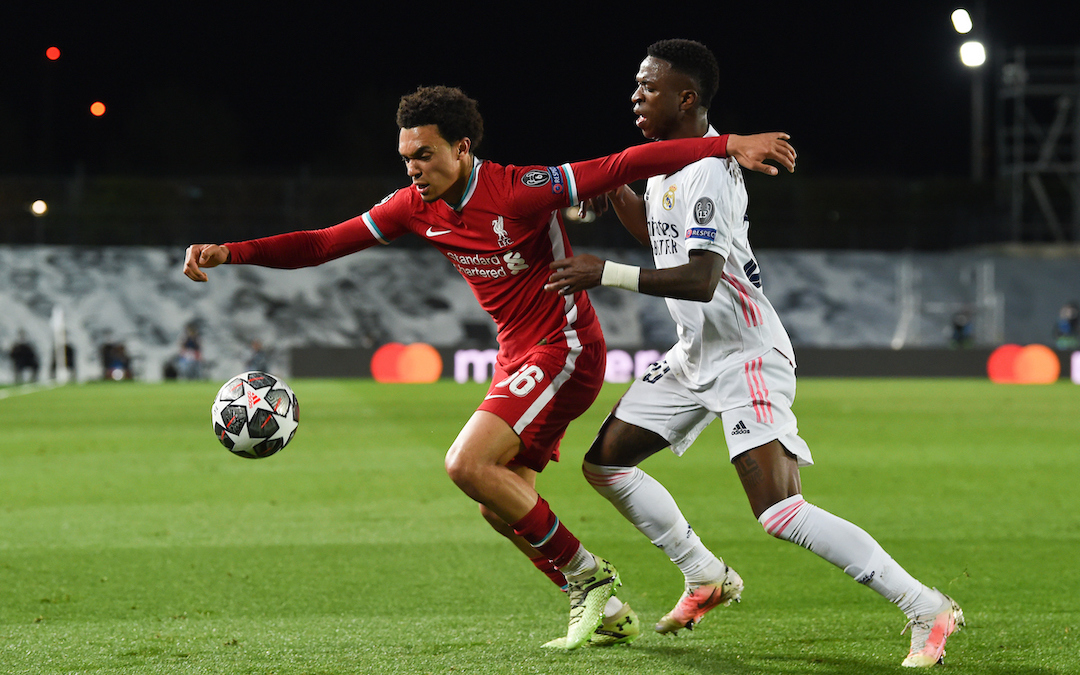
[750, 472]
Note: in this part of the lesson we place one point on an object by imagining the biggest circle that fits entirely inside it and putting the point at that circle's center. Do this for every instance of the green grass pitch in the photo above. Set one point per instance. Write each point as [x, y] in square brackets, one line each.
[131, 542]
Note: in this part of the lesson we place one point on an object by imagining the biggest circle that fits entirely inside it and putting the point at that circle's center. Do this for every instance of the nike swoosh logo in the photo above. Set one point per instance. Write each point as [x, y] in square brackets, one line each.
[495, 396]
[432, 232]
[703, 605]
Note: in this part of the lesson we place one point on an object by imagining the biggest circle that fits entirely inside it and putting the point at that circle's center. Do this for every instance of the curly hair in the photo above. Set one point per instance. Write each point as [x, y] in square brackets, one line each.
[692, 59]
[456, 115]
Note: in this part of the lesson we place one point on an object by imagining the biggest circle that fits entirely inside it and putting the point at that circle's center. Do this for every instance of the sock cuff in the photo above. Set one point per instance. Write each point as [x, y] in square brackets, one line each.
[600, 476]
[538, 524]
[777, 517]
[542, 529]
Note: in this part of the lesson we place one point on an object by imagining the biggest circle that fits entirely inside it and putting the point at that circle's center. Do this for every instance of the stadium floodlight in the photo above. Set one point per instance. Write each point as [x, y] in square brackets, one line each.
[39, 207]
[972, 54]
[961, 21]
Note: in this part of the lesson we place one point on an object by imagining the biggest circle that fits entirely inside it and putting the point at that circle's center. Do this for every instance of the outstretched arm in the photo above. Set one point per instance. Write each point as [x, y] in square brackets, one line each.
[597, 176]
[303, 248]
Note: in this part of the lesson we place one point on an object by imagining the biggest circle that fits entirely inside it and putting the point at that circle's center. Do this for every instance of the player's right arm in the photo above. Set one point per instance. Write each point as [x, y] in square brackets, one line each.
[307, 248]
[304, 248]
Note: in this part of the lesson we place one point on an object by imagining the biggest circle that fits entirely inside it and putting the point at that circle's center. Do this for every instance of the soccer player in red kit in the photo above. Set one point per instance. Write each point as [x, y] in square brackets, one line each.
[501, 227]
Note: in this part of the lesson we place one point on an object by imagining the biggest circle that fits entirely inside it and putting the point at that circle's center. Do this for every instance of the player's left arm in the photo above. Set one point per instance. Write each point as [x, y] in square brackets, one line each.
[571, 184]
[696, 280]
[595, 177]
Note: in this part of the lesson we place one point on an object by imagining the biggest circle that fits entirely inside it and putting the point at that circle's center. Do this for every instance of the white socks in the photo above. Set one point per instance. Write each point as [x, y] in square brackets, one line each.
[582, 564]
[612, 607]
[851, 549]
[650, 507]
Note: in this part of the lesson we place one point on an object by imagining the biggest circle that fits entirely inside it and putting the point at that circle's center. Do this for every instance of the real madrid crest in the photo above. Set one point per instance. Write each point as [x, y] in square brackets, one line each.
[668, 202]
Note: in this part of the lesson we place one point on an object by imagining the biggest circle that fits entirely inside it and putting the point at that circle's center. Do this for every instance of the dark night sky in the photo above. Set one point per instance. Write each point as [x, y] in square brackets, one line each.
[199, 87]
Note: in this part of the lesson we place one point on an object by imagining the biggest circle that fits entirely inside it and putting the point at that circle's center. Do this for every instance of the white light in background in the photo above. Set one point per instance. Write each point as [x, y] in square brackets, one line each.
[972, 54]
[961, 21]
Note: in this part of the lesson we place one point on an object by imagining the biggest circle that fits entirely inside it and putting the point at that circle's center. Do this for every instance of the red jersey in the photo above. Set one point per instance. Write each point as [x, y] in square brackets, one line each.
[501, 237]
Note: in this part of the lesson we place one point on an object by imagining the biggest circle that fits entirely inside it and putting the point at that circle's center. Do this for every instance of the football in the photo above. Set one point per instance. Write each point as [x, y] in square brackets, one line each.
[255, 414]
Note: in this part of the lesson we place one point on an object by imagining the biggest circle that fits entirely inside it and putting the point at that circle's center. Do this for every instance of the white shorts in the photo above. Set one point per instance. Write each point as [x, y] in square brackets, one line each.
[753, 402]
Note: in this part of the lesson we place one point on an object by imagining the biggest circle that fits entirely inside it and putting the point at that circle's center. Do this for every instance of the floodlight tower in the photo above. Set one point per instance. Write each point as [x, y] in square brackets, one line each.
[973, 55]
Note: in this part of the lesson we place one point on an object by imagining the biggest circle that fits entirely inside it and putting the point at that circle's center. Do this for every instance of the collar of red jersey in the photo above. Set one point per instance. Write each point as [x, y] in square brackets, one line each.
[470, 187]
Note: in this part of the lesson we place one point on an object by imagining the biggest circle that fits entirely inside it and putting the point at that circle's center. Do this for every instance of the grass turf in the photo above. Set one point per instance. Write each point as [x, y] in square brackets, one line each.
[130, 542]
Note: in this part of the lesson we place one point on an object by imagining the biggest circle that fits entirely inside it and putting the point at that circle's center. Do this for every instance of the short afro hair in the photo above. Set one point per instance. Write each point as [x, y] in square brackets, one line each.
[456, 115]
[694, 60]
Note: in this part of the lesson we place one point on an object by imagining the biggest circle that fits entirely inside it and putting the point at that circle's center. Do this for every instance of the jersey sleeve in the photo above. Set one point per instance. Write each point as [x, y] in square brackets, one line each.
[591, 178]
[716, 205]
[307, 248]
[532, 189]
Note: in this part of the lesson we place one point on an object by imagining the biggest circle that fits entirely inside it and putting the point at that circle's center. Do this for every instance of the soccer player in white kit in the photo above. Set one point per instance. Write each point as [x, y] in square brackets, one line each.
[734, 361]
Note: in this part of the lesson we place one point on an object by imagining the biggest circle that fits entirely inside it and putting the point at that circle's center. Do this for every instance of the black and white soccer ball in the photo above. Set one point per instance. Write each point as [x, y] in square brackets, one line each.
[255, 414]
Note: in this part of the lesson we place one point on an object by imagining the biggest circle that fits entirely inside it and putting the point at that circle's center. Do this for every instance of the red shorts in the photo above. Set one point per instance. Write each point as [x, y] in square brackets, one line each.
[541, 393]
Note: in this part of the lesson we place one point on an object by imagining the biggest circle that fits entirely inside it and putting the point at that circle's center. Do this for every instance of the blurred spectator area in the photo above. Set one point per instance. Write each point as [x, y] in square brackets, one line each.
[151, 211]
[789, 211]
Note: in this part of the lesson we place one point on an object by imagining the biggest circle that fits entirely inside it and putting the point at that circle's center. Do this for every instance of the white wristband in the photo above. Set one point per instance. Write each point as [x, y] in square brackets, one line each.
[618, 275]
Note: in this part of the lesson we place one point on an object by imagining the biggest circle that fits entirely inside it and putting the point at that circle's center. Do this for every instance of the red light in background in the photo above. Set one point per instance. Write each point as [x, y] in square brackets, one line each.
[395, 362]
[52, 53]
[1037, 364]
[97, 108]
[1001, 366]
[1033, 364]
[384, 363]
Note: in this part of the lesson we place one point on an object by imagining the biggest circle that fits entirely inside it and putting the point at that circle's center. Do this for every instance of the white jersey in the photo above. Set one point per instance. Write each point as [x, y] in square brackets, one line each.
[703, 207]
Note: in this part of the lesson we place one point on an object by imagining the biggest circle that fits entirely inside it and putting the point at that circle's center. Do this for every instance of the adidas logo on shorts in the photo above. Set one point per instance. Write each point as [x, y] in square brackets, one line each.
[740, 429]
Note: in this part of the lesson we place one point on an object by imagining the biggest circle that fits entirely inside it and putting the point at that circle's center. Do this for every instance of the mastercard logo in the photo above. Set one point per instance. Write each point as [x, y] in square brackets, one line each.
[398, 363]
[1033, 364]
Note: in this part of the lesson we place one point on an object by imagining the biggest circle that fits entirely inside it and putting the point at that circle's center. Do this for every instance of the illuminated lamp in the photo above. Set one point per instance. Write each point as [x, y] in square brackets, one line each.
[419, 362]
[384, 362]
[1002, 362]
[1036, 364]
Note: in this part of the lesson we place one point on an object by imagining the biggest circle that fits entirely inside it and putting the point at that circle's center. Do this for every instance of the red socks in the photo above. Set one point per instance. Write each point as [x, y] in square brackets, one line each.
[542, 529]
[549, 569]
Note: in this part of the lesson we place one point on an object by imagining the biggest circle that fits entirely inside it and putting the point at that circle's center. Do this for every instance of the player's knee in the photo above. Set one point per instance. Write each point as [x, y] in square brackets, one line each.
[612, 482]
[460, 468]
[621, 444]
[600, 451]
